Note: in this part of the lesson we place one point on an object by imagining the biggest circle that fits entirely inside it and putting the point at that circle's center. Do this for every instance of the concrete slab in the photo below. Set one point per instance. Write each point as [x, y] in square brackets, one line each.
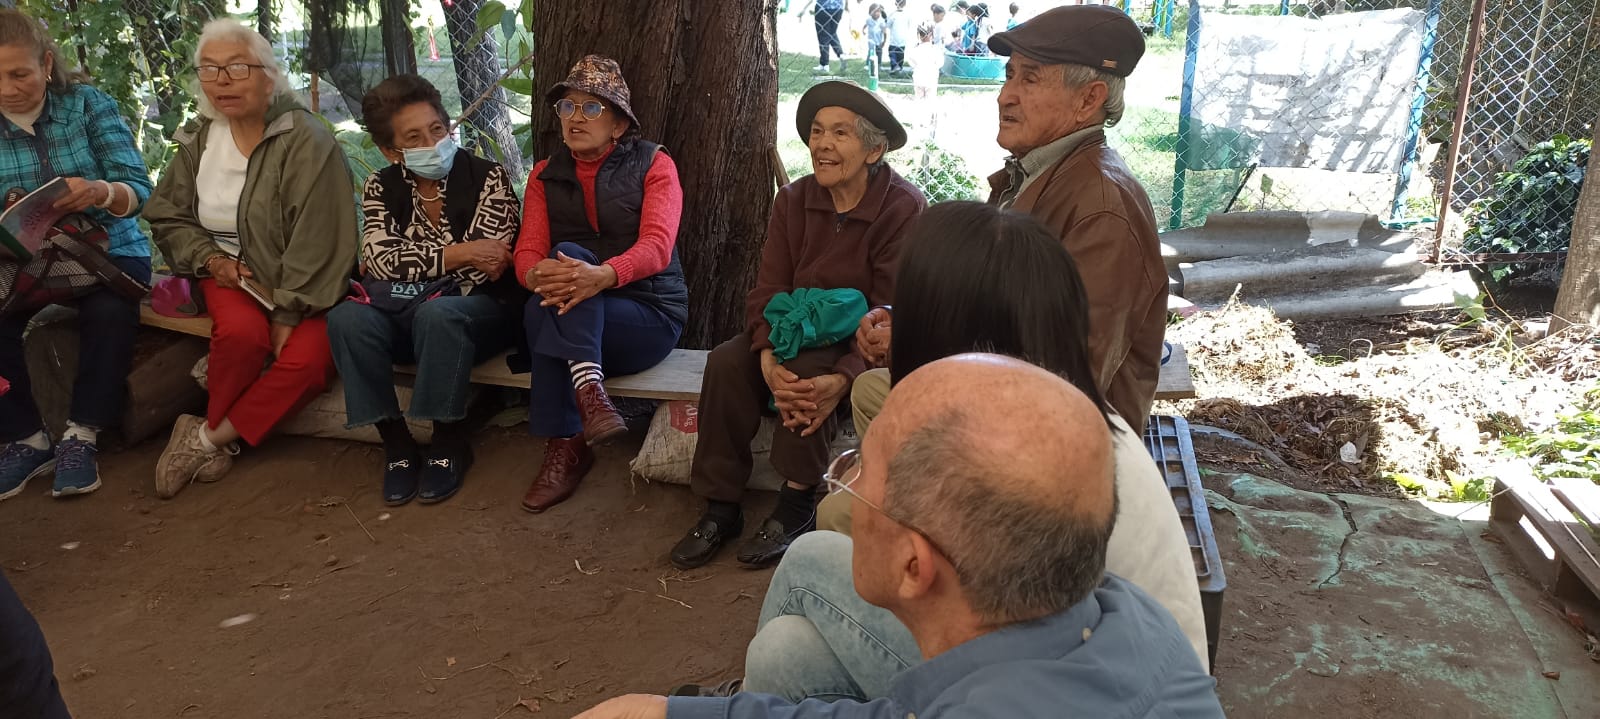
[1436, 289]
[1298, 271]
[1342, 604]
[1253, 233]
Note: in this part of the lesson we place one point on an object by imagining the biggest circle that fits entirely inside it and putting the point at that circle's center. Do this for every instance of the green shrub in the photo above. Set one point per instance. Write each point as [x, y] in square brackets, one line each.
[941, 175]
[1531, 207]
[1570, 449]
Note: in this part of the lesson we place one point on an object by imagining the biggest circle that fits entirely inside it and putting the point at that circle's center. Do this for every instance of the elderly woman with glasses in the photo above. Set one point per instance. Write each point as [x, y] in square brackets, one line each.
[837, 229]
[598, 248]
[258, 206]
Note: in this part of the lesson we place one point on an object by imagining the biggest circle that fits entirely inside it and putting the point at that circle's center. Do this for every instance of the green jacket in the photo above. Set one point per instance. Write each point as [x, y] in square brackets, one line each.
[297, 213]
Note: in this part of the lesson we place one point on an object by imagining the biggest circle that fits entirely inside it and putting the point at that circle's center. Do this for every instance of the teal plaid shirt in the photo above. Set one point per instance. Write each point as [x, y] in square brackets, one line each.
[79, 134]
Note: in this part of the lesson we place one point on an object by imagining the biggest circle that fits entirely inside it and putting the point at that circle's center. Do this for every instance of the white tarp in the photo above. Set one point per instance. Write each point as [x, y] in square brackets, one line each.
[1332, 94]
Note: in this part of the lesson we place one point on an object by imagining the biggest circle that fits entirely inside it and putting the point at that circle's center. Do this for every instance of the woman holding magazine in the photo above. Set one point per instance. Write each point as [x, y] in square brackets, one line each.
[258, 206]
[57, 126]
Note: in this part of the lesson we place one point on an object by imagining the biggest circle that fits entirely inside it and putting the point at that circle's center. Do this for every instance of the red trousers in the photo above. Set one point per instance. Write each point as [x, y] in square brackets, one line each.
[241, 343]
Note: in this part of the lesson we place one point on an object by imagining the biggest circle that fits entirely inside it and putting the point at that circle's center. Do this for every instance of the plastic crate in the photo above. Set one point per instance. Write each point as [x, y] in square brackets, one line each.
[1167, 438]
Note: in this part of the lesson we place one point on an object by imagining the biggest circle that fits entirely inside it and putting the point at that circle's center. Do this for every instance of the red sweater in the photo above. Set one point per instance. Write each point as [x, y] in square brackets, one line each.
[658, 220]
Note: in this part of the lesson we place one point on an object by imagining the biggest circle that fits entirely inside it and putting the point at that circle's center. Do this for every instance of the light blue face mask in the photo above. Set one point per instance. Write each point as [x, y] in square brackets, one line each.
[434, 162]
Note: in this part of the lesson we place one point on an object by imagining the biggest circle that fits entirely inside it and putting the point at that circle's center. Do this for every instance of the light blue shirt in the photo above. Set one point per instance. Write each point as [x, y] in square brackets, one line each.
[1115, 655]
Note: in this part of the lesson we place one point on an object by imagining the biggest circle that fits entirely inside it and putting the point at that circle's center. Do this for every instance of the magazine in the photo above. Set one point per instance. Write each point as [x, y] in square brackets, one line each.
[28, 221]
[258, 291]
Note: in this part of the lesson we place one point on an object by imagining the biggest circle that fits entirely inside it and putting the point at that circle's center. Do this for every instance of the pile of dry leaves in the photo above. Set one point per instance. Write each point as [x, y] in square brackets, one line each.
[1422, 407]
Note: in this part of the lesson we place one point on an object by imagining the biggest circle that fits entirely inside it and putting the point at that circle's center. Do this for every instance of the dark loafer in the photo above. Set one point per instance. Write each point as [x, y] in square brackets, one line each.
[770, 542]
[400, 479]
[702, 542]
[442, 476]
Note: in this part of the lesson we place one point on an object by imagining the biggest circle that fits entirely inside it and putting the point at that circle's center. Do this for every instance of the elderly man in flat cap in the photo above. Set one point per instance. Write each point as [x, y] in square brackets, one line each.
[1064, 86]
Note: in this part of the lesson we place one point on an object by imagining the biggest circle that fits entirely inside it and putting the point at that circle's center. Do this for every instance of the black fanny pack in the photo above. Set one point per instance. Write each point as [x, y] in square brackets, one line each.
[401, 299]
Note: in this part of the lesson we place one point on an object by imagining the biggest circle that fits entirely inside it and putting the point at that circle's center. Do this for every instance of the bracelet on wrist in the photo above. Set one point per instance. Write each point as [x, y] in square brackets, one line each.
[111, 196]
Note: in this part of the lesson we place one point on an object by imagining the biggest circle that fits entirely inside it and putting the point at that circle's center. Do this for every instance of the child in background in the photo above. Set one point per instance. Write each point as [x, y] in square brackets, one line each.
[901, 28]
[926, 60]
[877, 32]
[1012, 23]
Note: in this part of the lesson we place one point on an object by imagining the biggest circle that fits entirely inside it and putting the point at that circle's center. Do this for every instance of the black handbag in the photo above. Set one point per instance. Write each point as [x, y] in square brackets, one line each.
[401, 300]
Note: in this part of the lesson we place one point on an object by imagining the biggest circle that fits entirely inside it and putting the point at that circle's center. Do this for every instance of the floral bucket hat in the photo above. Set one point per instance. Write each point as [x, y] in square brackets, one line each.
[599, 76]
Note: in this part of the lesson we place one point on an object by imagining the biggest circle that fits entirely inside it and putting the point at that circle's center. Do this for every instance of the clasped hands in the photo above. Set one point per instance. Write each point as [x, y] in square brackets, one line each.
[872, 337]
[804, 405]
[563, 282]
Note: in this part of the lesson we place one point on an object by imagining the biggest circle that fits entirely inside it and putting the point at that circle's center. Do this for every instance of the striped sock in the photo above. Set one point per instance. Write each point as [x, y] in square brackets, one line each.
[585, 374]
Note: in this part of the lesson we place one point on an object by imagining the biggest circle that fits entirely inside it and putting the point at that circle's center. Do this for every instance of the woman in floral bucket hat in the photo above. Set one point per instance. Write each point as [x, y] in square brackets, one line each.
[598, 250]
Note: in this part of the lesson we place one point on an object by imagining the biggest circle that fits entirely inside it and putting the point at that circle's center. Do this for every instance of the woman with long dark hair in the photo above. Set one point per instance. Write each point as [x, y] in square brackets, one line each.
[972, 278]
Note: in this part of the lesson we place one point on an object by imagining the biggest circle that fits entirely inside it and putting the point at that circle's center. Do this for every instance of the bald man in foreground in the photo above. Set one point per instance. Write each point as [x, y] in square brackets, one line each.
[1001, 580]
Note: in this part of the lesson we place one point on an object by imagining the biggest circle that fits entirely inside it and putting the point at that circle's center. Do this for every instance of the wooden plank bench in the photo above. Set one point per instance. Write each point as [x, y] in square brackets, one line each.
[677, 377]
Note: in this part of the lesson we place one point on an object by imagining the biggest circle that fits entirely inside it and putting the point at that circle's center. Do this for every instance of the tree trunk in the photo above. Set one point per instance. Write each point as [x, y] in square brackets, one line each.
[399, 49]
[478, 71]
[703, 78]
[1578, 301]
[267, 20]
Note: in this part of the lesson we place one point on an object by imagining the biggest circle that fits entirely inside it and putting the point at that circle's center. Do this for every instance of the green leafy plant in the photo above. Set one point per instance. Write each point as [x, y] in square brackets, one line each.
[1531, 207]
[1569, 449]
[1454, 487]
[941, 175]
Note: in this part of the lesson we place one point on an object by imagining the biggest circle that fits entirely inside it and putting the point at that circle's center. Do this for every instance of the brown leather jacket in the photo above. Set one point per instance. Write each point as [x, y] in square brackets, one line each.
[1093, 203]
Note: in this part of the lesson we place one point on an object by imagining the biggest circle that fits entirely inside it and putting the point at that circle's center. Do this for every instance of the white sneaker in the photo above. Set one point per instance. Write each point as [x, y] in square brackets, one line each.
[185, 459]
[819, 69]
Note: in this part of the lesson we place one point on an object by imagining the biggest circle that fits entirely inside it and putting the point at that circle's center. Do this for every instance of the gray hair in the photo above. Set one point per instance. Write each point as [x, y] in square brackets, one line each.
[1017, 556]
[231, 30]
[872, 138]
[1076, 76]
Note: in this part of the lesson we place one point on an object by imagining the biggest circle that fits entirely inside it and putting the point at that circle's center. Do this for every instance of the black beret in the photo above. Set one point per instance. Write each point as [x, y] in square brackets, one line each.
[1099, 36]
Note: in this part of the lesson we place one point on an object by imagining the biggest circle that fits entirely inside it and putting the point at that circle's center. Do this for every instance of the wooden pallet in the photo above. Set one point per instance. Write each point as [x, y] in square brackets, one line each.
[1550, 527]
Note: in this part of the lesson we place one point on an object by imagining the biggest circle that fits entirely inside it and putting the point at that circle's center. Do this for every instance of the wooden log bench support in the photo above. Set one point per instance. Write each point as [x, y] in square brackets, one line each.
[677, 377]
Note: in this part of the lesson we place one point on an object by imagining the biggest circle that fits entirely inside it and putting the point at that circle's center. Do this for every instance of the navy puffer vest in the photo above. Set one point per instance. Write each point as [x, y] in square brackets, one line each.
[619, 196]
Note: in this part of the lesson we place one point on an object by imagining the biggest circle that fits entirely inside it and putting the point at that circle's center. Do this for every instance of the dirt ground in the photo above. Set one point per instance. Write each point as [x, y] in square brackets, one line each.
[454, 610]
[467, 608]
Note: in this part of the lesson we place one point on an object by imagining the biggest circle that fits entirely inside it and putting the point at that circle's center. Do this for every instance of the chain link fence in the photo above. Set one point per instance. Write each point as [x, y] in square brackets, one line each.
[1521, 129]
[1333, 105]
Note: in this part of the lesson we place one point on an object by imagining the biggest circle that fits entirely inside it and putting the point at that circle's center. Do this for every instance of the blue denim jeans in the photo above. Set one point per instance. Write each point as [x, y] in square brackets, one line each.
[107, 326]
[448, 335]
[623, 335]
[28, 685]
[817, 637]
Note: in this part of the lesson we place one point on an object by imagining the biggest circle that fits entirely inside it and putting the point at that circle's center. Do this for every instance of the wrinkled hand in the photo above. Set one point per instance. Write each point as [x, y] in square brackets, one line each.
[872, 337]
[490, 257]
[785, 387]
[632, 706]
[569, 281]
[227, 271]
[82, 194]
[818, 404]
[280, 337]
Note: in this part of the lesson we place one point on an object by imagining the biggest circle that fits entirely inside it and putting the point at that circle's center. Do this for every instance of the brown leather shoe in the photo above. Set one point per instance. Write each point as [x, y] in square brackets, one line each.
[566, 461]
[601, 421]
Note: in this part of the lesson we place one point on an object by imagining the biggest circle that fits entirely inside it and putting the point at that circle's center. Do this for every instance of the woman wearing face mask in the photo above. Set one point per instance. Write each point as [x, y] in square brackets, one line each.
[258, 206]
[439, 221]
[598, 249]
